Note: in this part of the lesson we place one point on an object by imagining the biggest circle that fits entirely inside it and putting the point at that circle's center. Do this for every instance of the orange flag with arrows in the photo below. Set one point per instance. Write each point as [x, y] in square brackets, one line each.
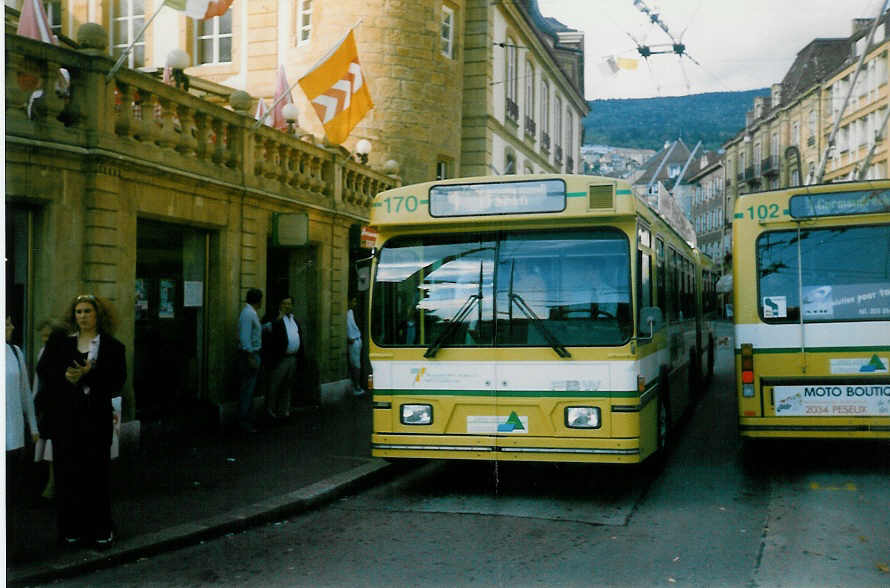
[338, 91]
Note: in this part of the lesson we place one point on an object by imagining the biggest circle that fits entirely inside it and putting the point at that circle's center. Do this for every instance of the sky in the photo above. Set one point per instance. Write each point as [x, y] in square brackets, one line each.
[739, 44]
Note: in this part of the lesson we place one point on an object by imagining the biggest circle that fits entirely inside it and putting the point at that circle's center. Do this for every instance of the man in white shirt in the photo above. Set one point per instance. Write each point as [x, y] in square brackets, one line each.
[250, 341]
[284, 356]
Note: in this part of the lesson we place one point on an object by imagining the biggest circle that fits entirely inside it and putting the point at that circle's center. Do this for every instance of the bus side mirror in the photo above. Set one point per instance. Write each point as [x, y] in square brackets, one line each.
[651, 321]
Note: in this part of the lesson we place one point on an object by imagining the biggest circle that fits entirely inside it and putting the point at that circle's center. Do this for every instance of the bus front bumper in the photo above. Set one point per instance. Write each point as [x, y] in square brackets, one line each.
[513, 448]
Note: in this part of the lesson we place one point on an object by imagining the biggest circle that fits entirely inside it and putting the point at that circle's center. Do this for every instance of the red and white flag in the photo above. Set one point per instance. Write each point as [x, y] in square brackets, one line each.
[281, 88]
[338, 90]
[201, 9]
[33, 23]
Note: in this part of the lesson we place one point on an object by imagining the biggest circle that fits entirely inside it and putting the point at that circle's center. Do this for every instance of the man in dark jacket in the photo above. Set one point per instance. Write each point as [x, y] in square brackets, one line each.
[283, 346]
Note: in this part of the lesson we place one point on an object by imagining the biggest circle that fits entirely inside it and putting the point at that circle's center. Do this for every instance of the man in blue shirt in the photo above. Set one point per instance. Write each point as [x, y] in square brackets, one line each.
[250, 341]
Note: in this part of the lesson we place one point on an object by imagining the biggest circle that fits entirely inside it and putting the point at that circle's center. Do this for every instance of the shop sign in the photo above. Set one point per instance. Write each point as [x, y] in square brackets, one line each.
[368, 239]
[290, 230]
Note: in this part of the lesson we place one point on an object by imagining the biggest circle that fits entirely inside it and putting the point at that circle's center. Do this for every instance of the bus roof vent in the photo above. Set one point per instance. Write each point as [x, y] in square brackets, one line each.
[601, 197]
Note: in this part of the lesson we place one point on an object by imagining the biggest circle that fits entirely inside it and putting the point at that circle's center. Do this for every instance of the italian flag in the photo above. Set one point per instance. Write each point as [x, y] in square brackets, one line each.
[201, 9]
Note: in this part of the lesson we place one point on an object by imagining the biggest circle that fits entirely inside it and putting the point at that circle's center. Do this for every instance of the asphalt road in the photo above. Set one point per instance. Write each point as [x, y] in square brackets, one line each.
[791, 514]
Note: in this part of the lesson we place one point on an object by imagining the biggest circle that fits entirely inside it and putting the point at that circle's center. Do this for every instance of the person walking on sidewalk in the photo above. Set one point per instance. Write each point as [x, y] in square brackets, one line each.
[81, 372]
[354, 348]
[250, 342]
[283, 350]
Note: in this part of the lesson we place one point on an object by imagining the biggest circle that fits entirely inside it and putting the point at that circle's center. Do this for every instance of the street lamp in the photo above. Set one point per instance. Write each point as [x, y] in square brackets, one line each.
[362, 148]
[290, 112]
[178, 60]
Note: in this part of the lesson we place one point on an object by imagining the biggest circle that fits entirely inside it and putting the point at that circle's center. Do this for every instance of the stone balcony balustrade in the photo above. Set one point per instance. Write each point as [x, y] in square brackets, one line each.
[134, 117]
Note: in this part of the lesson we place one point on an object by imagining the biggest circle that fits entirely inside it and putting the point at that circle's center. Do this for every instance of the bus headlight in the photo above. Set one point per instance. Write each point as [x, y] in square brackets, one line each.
[582, 417]
[416, 414]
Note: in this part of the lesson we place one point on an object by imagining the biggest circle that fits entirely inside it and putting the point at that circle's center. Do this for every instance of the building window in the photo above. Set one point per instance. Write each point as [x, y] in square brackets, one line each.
[127, 20]
[510, 163]
[795, 133]
[757, 159]
[570, 132]
[304, 22]
[673, 170]
[545, 115]
[447, 41]
[512, 79]
[529, 99]
[54, 14]
[557, 122]
[213, 39]
[442, 170]
[528, 169]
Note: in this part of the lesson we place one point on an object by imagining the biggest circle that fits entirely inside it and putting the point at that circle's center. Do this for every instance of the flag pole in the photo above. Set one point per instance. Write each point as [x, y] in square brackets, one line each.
[120, 60]
[262, 119]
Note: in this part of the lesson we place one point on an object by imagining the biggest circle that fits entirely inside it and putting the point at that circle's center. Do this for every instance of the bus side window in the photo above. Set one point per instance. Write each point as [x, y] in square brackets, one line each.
[644, 280]
[660, 284]
[673, 285]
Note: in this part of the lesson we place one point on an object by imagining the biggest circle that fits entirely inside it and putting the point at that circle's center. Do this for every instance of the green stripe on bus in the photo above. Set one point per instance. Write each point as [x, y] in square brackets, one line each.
[870, 348]
[378, 204]
[623, 192]
[738, 215]
[576, 194]
[511, 393]
[424, 201]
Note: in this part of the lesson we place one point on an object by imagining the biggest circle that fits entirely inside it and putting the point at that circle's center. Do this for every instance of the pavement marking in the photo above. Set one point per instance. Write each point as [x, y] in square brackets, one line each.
[849, 486]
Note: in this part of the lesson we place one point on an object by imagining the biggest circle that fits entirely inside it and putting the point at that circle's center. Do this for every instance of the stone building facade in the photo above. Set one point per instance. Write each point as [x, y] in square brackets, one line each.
[171, 207]
[708, 213]
[460, 87]
[786, 133]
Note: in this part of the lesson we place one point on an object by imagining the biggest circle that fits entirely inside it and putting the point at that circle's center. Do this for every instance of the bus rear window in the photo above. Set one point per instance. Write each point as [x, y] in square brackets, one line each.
[843, 274]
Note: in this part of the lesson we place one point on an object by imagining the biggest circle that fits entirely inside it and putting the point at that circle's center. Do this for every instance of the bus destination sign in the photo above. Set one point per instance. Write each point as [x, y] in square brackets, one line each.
[498, 198]
[840, 203]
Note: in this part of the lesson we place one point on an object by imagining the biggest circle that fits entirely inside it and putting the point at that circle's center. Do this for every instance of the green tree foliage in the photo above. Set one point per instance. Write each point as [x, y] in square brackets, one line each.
[646, 123]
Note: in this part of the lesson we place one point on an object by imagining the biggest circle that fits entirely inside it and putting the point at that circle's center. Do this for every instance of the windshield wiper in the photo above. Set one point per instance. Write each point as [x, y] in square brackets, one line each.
[537, 322]
[453, 324]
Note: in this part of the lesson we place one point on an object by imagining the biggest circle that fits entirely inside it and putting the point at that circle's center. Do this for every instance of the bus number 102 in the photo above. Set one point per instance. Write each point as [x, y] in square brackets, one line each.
[764, 211]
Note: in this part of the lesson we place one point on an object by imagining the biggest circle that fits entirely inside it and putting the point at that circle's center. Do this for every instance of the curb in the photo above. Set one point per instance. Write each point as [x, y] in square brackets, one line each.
[186, 534]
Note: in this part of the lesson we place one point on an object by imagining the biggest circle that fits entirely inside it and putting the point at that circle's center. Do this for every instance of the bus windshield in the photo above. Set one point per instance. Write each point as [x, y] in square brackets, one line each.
[843, 274]
[520, 288]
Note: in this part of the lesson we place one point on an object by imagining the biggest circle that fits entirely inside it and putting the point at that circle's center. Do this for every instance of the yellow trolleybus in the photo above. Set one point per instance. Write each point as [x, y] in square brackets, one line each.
[538, 318]
[811, 274]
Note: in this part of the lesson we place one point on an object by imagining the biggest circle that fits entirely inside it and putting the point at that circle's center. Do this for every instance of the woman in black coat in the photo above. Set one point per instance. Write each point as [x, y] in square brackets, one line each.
[81, 371]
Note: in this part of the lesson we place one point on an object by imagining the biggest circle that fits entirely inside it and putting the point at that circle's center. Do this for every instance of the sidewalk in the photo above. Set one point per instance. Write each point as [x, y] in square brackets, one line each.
[179, 490]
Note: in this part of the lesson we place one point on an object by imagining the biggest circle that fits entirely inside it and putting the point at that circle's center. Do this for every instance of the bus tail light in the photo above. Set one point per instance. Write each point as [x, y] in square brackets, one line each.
[641, 384]
[370, 382]
[747, 370]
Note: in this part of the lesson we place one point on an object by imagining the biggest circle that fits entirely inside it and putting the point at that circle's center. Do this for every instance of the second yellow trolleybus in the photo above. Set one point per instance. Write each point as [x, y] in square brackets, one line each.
[811, 279]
